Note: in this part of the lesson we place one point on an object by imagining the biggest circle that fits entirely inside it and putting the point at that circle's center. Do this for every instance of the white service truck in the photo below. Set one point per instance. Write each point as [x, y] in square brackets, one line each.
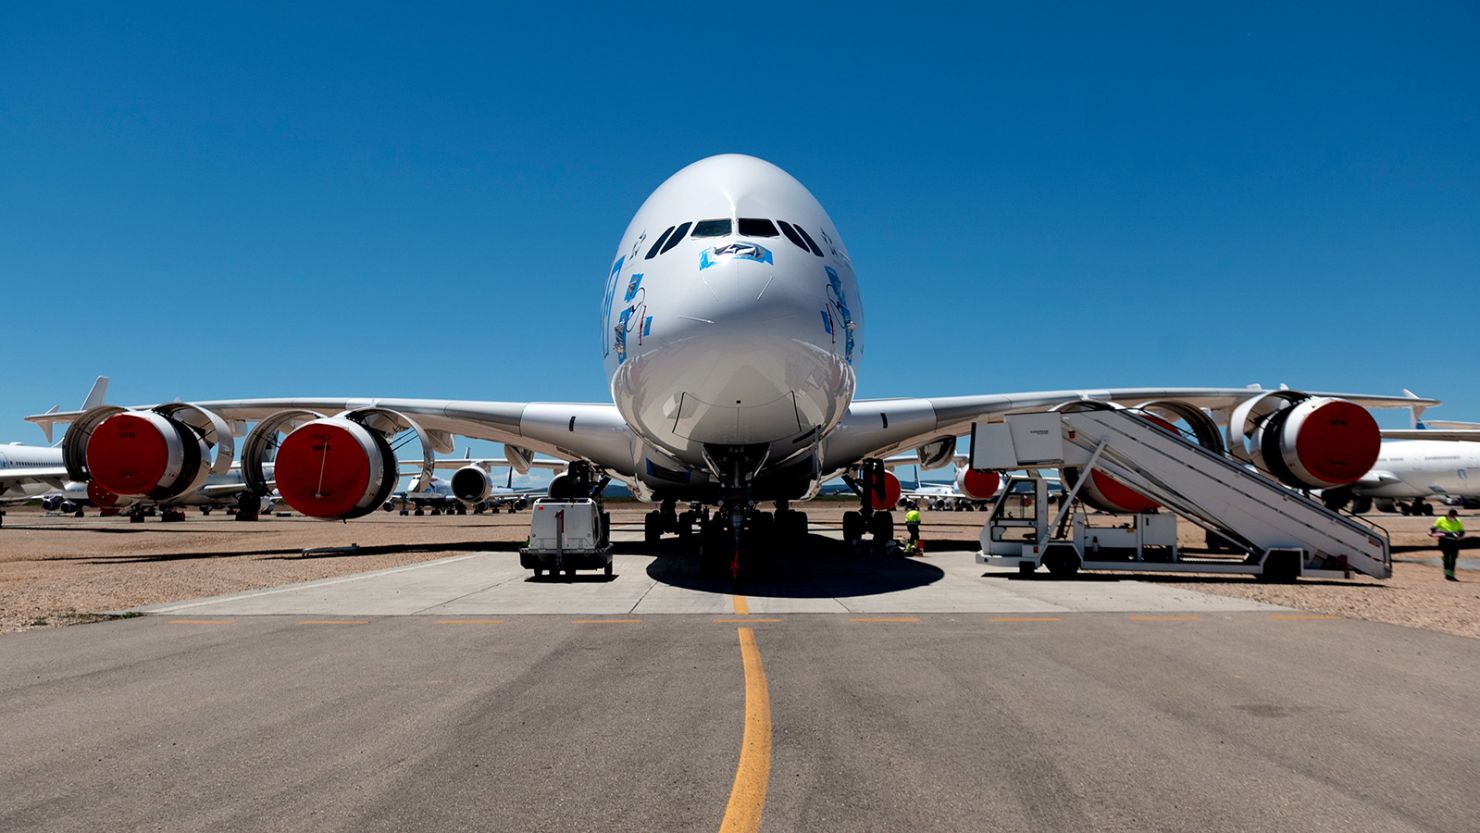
[567, 535]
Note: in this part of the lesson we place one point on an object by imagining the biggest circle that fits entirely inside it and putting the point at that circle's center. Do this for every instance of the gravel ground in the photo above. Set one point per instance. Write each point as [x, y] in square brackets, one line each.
[57, 571]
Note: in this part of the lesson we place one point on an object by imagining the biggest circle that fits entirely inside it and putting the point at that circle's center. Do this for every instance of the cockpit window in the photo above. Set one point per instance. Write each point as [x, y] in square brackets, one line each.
[661, 238]
[712, 228]
[678, 234]
[755, 227]
[791, 234]
[811, 244]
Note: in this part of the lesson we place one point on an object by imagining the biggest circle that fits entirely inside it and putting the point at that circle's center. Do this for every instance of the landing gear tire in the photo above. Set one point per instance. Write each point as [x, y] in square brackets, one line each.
[607, 571]
[652, 527]
[852, 526]
[539, 572]
[881, 524]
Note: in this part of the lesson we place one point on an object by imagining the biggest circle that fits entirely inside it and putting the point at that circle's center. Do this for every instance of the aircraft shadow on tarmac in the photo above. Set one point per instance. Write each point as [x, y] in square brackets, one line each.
[822, 568]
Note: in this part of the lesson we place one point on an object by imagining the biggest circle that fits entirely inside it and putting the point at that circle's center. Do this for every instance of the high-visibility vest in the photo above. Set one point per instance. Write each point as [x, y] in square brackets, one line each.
[912, 516]
[1447, 524]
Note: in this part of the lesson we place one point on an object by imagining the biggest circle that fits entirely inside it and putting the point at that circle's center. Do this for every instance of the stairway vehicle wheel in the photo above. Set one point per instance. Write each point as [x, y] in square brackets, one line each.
[1280, 567]
[1061, 561]
[1026, 568]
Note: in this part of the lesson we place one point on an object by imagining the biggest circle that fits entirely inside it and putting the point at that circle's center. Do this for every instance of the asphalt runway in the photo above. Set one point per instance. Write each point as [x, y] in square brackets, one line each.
[838, 695]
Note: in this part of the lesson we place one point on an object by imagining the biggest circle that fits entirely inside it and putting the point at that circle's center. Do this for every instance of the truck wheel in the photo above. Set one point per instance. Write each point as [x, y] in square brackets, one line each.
[538, 572]
[1061, 562]
[607, 569]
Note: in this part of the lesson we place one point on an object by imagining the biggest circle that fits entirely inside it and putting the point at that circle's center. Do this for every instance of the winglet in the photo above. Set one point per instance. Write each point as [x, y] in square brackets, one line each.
[1416, 410]
[46, 428]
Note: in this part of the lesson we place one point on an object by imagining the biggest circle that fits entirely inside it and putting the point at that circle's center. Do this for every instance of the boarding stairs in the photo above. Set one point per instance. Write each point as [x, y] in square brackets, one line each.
[1270, 521]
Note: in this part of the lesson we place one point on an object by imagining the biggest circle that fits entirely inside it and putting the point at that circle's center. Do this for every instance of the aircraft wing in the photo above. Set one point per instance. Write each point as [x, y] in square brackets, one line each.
[485, 463]
[564, 430]
[880, 427]
[55, 476]
[1461, 434]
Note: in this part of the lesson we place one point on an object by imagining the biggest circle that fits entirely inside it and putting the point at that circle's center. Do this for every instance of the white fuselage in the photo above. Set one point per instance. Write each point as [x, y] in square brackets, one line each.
[740, 334]
[17, 458]
[1424, 468]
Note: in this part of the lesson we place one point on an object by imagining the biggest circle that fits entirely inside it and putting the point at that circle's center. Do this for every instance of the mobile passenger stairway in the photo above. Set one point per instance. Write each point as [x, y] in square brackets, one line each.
[1283, 533]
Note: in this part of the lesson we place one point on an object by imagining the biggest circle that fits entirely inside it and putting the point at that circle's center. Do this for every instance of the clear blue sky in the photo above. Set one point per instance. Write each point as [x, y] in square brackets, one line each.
[405, 201]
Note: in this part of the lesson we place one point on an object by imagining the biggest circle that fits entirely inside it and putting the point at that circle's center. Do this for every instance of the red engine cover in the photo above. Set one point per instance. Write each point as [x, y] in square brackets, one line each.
[1338, 442]
[891, 494]
[99, 496]
[325, 470]
[1110, 493]
[127, 454]
[977, 484]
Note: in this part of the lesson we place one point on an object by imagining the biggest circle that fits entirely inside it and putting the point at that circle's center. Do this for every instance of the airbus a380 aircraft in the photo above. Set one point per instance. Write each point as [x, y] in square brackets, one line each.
[732, 328]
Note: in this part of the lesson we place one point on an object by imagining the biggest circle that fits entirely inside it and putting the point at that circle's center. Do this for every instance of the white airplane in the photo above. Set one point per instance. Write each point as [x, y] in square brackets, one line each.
[471, 486]
[732, 331]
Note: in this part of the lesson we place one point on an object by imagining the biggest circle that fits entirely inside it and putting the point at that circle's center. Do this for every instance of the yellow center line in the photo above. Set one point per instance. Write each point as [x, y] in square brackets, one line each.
[753, 773]
[1024, 619]
[606, 621]
[202, 621]
[1184, 618]
[1301, 617]
[469, 622]
[335, 622]
[744, 619]
[900, 619]
[742, 607]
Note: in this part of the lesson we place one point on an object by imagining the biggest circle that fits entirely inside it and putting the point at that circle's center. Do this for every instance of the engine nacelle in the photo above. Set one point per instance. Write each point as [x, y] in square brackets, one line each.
[977, 484]
[334, 467]
[890, 497]
[104, 499]
[1309, 442]
[147, 454]
[471, 484]
[1101, 491]
[160, 453]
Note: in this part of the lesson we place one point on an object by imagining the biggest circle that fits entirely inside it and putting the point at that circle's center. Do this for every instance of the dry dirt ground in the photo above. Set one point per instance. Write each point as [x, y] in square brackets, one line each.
[56, 571]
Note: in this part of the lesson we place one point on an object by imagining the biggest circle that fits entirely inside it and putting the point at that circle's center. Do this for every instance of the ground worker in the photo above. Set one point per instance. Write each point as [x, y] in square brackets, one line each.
[912, 523]
[1449, 530]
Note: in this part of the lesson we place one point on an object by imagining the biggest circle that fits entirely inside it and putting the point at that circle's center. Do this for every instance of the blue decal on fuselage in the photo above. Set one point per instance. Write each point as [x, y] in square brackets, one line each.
[738, 251]
[839, 302]
[606, 305]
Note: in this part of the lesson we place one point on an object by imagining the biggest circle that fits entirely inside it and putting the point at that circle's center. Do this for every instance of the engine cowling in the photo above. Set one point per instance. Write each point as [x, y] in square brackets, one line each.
[890, 497]
[146, 454]
[104, 499]
[472, 484]
[977, 484]
[1311, 442]
[1103, 492]
[334, 468]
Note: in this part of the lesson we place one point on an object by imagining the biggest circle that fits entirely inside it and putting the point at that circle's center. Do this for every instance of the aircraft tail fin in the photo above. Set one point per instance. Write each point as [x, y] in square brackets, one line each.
[96, 395]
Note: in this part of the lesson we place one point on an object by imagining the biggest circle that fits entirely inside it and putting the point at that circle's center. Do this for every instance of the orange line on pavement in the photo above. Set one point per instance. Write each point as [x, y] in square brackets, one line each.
[753, 773]
[606, 621]
[335, 622]
[743, 619]
[742, 607]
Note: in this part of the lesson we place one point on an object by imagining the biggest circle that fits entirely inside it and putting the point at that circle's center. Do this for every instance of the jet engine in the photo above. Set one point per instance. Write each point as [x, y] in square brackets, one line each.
[977, 484]
[471, 484]
[1309, 442]
[104, 499]
[1101, 491]
[160, 453]
[334, 468]
[884, 497]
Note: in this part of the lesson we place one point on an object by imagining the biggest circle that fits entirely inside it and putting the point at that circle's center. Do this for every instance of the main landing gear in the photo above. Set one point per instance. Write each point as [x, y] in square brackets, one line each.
[873, 516]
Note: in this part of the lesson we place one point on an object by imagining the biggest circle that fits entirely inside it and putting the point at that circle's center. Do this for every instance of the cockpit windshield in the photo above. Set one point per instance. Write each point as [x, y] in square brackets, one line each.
[712, 228]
